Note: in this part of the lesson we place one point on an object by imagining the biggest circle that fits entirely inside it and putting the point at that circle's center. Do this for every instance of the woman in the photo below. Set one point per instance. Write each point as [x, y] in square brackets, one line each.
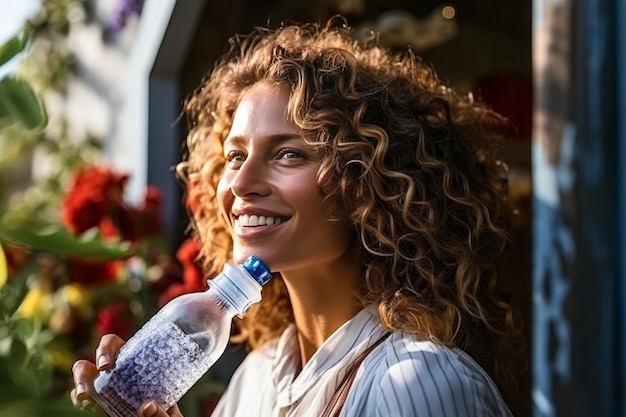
[373, 192]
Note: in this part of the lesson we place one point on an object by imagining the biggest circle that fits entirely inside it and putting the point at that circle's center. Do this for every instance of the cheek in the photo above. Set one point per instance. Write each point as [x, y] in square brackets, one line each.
[308, 197]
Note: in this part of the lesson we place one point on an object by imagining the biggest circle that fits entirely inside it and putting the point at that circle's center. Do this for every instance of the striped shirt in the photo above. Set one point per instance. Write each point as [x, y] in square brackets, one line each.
[402, 377]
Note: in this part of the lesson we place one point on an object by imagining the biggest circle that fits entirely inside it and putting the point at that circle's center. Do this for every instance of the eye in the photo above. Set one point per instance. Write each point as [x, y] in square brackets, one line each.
[289, 153]
[235, 157]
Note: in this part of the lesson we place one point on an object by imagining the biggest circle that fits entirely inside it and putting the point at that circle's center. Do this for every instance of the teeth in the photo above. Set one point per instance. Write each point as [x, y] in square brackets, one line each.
[253, 220]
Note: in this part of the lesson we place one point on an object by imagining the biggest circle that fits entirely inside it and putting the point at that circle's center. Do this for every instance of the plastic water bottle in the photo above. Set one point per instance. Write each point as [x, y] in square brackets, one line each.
[179, 344]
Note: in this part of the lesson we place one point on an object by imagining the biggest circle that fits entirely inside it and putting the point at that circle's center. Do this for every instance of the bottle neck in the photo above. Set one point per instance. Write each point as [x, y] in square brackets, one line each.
[237, 288]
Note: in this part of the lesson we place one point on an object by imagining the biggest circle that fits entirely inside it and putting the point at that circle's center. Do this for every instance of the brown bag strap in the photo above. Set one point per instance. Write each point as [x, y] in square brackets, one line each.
[335, 405]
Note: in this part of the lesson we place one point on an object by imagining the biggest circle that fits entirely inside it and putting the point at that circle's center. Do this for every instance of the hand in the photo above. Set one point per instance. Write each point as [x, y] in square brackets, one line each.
[84, 373]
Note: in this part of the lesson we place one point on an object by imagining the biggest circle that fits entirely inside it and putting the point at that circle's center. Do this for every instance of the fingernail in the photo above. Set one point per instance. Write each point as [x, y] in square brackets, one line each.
[150, 409]
[80, 390]
[102, 361]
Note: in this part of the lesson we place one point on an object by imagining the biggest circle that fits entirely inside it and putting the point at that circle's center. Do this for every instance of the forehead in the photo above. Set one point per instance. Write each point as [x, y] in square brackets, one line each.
[262, 111]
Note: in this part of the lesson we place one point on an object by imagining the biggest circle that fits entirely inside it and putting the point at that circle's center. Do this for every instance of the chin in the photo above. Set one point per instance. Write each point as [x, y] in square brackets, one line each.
[241, 255]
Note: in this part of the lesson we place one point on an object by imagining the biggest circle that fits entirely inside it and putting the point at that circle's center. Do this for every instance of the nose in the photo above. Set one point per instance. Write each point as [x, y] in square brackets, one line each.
[250, 179]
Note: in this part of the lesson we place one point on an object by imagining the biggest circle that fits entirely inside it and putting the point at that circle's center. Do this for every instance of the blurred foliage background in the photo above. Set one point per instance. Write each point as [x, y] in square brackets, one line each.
[76, 260]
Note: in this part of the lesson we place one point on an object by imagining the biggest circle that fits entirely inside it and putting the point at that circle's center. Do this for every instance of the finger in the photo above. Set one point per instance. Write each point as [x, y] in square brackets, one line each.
[107, 350]
[80, 396]
[83, 373]
[86, 404]
[174, 411]
[151, 409]
[75, 401]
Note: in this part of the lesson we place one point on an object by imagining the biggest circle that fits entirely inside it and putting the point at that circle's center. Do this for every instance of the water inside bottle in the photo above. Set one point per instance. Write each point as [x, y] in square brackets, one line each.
[162, 366]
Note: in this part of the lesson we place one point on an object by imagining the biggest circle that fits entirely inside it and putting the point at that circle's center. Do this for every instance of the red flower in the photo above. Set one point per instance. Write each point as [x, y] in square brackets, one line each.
[16, 257]
[115, 318]
[187, 255]
[82, 211]
[154, 197]
[171, 292]
[108, 228]
[92, 272]
[102, 179]
[96, 193]
[188, 251]
[193, 277]
[148, 217]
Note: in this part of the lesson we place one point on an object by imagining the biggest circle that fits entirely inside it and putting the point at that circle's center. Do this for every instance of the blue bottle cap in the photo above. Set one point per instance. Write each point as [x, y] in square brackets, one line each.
[259, 271]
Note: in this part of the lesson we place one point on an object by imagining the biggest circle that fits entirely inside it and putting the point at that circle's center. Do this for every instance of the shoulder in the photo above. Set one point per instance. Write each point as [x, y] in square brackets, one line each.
[259, 359]
[254, 368]
[249, 385]
[418, 377]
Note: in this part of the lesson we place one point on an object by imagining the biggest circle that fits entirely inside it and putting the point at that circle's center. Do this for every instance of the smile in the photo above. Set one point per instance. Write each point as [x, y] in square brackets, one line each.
[247, 220]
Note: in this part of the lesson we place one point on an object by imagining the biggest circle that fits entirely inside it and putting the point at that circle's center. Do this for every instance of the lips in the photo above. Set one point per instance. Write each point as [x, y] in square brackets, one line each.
[253, 220]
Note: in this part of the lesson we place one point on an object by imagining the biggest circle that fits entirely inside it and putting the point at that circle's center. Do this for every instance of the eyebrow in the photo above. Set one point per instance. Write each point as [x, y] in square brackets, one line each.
[273, 139]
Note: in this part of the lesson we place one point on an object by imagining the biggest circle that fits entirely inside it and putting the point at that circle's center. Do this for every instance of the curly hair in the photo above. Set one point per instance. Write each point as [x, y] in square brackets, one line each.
[411, 161]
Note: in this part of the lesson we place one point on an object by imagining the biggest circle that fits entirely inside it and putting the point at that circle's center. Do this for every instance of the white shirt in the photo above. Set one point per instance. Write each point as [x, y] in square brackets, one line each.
[402, 377]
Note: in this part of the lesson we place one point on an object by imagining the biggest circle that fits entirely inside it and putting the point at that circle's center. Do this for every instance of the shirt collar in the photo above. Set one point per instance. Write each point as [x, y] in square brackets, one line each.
[345, 344]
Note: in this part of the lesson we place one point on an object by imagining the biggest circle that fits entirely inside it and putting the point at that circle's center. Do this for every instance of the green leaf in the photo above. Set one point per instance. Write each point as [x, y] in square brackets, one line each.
[64, 408]
[18, 403]
[57, 239]
[5, 345]
[20, 104]
[11, 48]
[17, 408]
[23, 395]
[21, 376]
[11, 296]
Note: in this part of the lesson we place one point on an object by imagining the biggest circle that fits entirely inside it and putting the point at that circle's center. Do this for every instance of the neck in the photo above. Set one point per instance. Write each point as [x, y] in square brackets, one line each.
[323, 298]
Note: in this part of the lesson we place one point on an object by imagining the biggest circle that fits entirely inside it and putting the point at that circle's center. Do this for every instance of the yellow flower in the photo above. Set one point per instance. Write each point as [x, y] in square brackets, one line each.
[4, 270]
[75, 295]
[36, 303]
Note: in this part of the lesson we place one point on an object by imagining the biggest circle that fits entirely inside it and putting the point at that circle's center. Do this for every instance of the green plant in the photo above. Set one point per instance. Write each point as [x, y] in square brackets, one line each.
[46, 68]
[27, 383]
[18, 102]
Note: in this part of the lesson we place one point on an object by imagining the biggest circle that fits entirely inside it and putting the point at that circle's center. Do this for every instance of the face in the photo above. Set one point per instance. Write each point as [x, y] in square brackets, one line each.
[268, 188]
